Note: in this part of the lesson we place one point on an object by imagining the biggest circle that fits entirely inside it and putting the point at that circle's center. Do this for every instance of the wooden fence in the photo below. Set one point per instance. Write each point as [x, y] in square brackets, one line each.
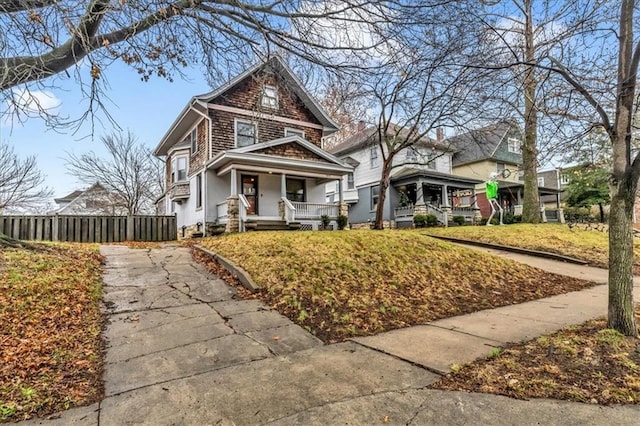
[90, 229]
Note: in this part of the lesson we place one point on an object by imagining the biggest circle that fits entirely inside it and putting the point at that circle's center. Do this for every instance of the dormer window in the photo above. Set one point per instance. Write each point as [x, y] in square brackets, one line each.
[513, 145]
[270, 97]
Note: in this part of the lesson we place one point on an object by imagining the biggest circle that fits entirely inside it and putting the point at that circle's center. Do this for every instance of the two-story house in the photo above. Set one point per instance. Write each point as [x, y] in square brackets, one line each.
[494, 149]
[421, 181]
[94, 201]
[249, 155]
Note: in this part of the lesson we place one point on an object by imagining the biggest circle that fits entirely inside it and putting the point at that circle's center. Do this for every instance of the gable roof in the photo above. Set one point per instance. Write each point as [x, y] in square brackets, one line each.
[69, 197]
[485, 143]
[368, 137]
[197, 106]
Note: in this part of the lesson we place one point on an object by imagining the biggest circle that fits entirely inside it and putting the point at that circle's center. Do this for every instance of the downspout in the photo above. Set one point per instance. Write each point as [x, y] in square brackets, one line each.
[208, 157]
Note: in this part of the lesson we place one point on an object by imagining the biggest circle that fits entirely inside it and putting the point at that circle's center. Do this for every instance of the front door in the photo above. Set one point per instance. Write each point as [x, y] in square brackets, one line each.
[250, 191]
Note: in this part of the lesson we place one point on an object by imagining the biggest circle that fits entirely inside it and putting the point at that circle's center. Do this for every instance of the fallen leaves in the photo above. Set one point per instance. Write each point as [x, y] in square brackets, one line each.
[344, 284]
[585, 363]
[50, 324]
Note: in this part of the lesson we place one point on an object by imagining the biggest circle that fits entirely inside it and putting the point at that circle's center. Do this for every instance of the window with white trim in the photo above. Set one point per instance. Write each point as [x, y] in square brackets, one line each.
[193, 140]
[375, 196]
[270, 97]
[179, 169]
[246, 133]
[431, 161]
[540, 181]
[199, 190]
[373, 156]
[288, 131]
[350, 181]
[513, 145]
[564, 179]
[412, 155]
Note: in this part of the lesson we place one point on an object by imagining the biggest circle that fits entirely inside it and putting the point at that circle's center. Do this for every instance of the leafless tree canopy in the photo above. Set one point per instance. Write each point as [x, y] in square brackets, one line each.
[21, 183]
[129, 172]
[45, 41]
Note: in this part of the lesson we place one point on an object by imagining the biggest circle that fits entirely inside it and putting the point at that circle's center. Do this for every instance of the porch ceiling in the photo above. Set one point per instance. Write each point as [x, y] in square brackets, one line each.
[516, 186]
[433, 177]
[279, 165]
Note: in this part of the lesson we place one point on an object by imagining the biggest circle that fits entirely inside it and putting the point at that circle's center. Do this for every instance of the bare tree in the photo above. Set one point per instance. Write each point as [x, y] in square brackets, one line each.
[21, 183]
[52, 41]
[129, 173]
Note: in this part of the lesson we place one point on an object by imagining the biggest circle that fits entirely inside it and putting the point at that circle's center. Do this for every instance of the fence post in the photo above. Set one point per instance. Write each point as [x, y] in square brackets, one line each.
[129, 236]
[55, 226]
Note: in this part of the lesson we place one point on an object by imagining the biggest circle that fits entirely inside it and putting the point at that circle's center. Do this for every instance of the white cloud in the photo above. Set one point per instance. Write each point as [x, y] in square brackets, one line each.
[23, 104]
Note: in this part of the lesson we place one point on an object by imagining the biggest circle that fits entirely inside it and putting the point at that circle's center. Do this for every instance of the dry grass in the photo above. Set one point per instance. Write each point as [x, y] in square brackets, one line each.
[50, 324]
[586, 363]
[590, 246]
[344, 284]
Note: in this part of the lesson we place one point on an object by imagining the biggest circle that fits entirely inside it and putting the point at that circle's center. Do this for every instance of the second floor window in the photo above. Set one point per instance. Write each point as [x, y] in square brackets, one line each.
[179, 169]
[564, 180]
[540, 181]
[431, 161]
[245, 133]
[513, 145]
[373, 153]
[193, 140]
[412, 155]
[350, 181]
[270, 97]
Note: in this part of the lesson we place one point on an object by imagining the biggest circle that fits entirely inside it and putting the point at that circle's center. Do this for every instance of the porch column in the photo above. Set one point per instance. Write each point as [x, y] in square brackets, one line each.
[519, 195]
[283, 185]
[234, 183]
[419, 194]
[445, 196]
[340, 192]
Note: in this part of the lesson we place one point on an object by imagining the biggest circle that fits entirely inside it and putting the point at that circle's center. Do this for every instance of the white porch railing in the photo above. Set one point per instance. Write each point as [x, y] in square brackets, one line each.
[315, 210]
[439, 214]
[289, 210]
[243, 206]
[221, 209]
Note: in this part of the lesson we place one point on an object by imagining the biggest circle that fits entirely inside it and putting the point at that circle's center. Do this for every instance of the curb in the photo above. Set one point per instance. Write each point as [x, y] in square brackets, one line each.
[512, 249]
[242, 275]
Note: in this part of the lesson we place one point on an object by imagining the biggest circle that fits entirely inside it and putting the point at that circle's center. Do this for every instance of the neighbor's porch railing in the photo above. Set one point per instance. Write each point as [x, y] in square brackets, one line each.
[314, 210]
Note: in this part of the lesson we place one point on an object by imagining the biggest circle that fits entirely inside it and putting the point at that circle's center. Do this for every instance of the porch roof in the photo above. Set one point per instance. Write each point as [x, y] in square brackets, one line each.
[411, 175]
[502, 184]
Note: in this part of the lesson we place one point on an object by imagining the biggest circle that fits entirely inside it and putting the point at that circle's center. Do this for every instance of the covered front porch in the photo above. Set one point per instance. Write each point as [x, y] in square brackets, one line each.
[511, 198]
[439, 194]
[254, 191]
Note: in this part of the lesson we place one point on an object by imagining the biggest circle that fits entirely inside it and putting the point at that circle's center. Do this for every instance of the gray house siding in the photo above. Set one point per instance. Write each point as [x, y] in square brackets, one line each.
[361, 212]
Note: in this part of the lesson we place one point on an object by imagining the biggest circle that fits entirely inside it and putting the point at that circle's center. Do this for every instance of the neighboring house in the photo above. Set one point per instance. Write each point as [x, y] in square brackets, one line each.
[421, 181]
[249, 155]
[95, 200]
[557, 178]
[495, 149]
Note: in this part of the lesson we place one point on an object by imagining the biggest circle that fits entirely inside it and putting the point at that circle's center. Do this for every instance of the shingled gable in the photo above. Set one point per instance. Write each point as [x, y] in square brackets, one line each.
[291, 147]
[197, 107]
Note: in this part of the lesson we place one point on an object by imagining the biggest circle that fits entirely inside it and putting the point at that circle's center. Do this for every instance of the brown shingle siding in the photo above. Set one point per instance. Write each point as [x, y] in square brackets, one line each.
[291, 150]
[197, 161]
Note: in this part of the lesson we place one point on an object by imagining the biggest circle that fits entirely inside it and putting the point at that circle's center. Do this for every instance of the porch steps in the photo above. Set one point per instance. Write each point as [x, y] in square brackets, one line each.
[271, 225]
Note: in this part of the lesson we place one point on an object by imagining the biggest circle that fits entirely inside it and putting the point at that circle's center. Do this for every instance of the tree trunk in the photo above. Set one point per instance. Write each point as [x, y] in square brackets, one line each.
[531, 204]
[384, 184]
[621, 315]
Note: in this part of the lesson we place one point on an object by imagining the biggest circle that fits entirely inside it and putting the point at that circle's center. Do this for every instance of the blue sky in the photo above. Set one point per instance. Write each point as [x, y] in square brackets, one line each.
[147, 108]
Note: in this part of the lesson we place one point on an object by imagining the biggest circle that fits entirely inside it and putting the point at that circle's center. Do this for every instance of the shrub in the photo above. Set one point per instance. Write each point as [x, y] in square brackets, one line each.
[494, 221]
[432, 220]
[342, 221]
[578, 214]
[325, 221]
[420, 220]
[459, 220]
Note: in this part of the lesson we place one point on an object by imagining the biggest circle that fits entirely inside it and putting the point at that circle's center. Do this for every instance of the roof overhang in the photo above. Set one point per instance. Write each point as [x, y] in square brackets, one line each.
[409, 175]
[516, 185]
[192, 112]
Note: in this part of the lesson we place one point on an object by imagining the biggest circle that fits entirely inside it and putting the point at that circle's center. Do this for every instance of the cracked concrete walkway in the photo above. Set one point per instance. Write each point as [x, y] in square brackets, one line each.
[183, 351]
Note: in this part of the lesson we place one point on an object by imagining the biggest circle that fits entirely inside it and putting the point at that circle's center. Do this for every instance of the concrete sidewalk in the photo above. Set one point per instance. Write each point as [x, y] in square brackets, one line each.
[183, 351]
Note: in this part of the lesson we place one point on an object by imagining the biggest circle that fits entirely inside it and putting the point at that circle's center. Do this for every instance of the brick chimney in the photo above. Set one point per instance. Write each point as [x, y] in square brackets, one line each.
[439, 135]
[362, 125]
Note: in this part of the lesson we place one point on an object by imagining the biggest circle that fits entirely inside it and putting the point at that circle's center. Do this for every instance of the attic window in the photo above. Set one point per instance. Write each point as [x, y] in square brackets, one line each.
[270, 97]
[513, 145]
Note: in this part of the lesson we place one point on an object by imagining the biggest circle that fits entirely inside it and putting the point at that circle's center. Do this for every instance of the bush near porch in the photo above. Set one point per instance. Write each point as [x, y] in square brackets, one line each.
[344, 284]
[588, 245]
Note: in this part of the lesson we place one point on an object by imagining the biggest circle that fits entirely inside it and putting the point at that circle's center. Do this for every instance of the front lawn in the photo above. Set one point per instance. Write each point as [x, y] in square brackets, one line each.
[50, 323]
[585, 363]
[588, 245]
[354, 283]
